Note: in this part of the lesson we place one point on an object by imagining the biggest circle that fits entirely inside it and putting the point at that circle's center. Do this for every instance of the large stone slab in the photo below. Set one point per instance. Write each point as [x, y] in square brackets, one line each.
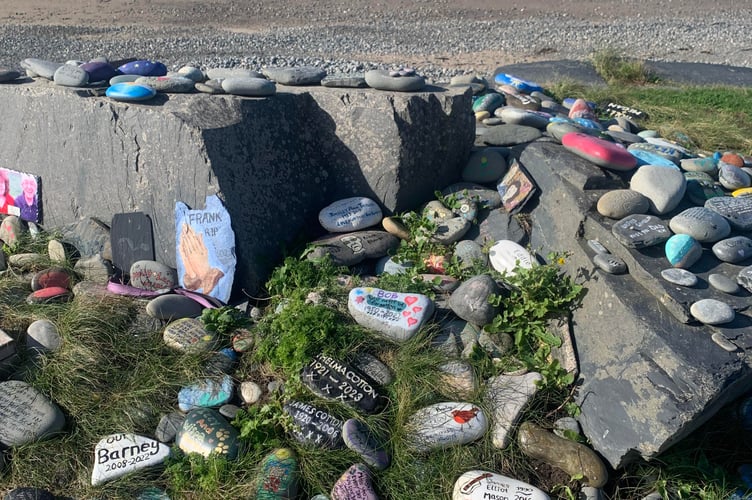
[645, 388]
[276, 159]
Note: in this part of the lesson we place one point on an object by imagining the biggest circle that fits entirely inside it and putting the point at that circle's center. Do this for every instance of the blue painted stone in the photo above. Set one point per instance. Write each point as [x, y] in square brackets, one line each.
[209, 393]
[99, 71]
[588, 123]
[130, 92]
[143, 68]
[682, 250]
[650, 158]
[525, 86]
[569, 101]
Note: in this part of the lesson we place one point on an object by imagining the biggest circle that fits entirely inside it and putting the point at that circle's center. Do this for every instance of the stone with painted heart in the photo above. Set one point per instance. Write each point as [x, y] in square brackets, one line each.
[119, 454]
[734, 250]
[188, 334]
[737, 211]
[599, 151]
[208, 393]
[350, 214]
[26, 415]
[152, 275]
[144, 68]
[314, 426]
[443, 425]
[483, 485]
[205, 431]
[348, 249]
[130, 92]
[506, 255]
[507, 396]
[338, 381]
[520, 84]
[355, 484]
[640, 231]
[278, 479]
[395, 315]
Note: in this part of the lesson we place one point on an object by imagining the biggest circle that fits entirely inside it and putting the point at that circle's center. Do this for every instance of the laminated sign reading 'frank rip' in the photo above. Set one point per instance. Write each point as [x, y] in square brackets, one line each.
[205, 248]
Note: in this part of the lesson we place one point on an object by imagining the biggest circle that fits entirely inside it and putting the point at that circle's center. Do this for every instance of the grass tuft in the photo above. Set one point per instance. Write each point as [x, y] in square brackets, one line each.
[618, 70]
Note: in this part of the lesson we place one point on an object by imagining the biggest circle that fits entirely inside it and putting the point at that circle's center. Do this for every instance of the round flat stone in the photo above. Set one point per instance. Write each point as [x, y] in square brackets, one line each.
[43, 335]
[712, 312]
[732, 177]
[69, 75]
[506, 255]
[470, 301]
[143, 67]
[510, 135]
[484, 485]
[40, 67]
[350, 214]
[708, 165]
[55, 276]
[484, 166]
[680, 277]
[381, 80]
[734, 250]
[723, 283]
[188, 334]
[193, 73]
[152, 275]
[704, 225]
[663, 187]
[667, 152]
[170, 307]
[652, 158]
[620, 203]
[128, 91]
[599, 151]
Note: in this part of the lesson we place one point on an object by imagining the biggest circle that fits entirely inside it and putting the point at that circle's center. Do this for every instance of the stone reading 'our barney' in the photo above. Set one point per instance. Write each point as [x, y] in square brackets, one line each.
[119, 454]
[396, 315]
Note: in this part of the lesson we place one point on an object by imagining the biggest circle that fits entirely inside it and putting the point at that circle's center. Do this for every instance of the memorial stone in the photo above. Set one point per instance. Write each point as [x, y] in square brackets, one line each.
[314, 426]
[119, 454]
[335, 380]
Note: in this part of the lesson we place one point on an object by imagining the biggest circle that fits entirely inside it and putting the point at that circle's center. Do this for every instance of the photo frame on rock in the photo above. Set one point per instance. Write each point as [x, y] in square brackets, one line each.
[20, 195]
[516, 188]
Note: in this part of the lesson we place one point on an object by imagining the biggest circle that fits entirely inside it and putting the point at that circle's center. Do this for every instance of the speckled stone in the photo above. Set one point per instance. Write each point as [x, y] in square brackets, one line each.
[680, 277]
[712, 312]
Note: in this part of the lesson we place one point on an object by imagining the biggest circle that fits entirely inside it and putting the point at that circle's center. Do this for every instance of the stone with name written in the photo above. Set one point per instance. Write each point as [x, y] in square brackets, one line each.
[485, 165]
[470, 300]
[734, 250]
[26, 415]
[119, 454]
[395, 315]
[338, 381]
[640, 231]
[506, 256]
[507, 396]
[188, 334]
[349, 249]
[152, 275]
[682, 250]
[620, 203]
[208, 393]
[171, 307]
[355, 484]
[723, 283]
[663, 187]
[69, 75]
[169, 426]
[443, 425]
[712, 312]
[205, 431]
[363, 441]
[680, 277]
[703, 224]
[314, 426]
[483, 485]
[350, 214]
[736, 210]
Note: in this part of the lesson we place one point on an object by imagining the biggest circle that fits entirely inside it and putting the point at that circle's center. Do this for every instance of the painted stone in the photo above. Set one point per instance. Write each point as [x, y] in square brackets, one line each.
[712, 312]
[700, 190]
[338, 381]
[250, 392]
[451, 225]
[10, 230]
[734, 250]
[510, 135]
[663, 187]
[153, 275]
[723, 283]
[69, 75]
[249, 87]
[278, 479]
[485, 165]
[314, 426]
[737, 211]
[143, 68]
[49, 295]
[443, 425]
[171, 307]
[349, 249]
[558, 128]
[350, 214]
[209, 393]
[483, 485]
[671, 154]
[395, 315]
[123, 79]
[680, 277]
[505, 256]
[507, 396]
[119, 454]
[205, 431]
[382, 80]
[371, 448]
[169, 426]
[708, 165]
[522, 101]
[640, 231]
[470, 300]
[55, 276]
[599, 151]
[355, 484]
[675, 148]
[526, 117]
[488, 102]
[99, 71]
[26, 415]
[574, 458]
[682, 250]
[732, 177]
[609, 263]
[42, 336]
[620, 203]
[130, 92]
[188, 334]
[373, 367]
[703, 224]
[522, 85]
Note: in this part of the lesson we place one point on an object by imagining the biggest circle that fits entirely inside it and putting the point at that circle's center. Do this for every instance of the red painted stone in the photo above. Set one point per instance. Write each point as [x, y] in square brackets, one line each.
[733, 159]
[50, 277]
[601, 152]
[50, 294]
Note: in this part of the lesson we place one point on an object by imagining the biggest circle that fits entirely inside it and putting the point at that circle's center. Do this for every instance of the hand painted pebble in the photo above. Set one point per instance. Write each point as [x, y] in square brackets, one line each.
[703, 224]
[581, 109]
[395, 315]
[507, 396]
[152, 275]
[348, 249]
[249, 87]
[143, 68]
[682, 250]
[671, 154]
[483, 485]
[651, 158]
[680, 277]
[355, 484]
[278, 479]
[620, 203]
[712, 312]
[708, 165]
[381, 80]
[737, 211]
[55, 276]
[483, 166]
[597, 247]
[610, 263]
[119, 454]
[470, 300]
[336, 380]
[488, 102]
[123, 79]
[189, 335]
[350, 214]
[457, 379]
[640, 231]
[443, 425]
[663, 187]
[130, 92]
[250, 392]
[208, 393]
[168, 426]
[206, 432]
[505, 256]
[699, 191]
[315, 427]
[574, 458]
[49, 295]
[734, 250]
[26, 415]
[518, 83]
[599, 151]
[723, 283]
[362, 440]
[68, 75]
[483, 196]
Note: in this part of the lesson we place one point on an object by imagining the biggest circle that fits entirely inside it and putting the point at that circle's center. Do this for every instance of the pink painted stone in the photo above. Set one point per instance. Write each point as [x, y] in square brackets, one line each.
[49, 294]
[601, 152]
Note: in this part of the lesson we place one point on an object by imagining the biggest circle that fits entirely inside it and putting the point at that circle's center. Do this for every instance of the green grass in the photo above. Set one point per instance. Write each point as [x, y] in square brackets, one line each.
[618, 70]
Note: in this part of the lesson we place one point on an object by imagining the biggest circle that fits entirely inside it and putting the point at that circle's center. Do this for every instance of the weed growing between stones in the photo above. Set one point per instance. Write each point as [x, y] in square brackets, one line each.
[618, 70]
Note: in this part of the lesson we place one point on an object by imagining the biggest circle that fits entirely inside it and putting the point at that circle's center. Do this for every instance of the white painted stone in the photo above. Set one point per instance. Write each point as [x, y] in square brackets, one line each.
[350, 214]
[120, 454]
[250, 392]
[506, 255]
[508, 395]
[396, 315]
[482, 485]
[153, 275]
[443, 425]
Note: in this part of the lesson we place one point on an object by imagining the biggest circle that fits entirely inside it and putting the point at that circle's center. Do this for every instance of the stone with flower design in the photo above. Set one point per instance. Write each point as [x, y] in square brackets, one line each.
[395, 315]
[355, 484]
[205, 431]
[153, 275]
[279, 476]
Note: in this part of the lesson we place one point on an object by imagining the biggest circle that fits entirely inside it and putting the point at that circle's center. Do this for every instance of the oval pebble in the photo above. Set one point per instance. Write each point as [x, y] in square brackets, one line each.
[723, 283]
[609, 263]
[620, 203]
[680, 277]
[712, 312]
[725, 344]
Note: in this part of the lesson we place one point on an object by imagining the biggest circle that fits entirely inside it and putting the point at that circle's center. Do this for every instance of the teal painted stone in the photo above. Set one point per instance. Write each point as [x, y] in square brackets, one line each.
[682, 250]
[205, 431]
[488, 102]
[209, 393]
[278, 479]
[127, 91]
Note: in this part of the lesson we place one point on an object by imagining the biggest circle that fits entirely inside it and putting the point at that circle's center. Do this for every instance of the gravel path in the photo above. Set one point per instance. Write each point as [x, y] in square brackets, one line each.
[438, 38]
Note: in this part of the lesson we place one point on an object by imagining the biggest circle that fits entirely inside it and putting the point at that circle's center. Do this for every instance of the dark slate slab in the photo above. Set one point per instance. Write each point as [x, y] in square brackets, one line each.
[131, 239]
[338, 381]
[701, 73]
[553, 71]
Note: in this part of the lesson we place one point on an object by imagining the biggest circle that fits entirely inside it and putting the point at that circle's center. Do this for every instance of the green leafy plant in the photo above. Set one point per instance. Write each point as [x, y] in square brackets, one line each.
[224, 320]
[193, 472]
[262, 426]
[298, 276]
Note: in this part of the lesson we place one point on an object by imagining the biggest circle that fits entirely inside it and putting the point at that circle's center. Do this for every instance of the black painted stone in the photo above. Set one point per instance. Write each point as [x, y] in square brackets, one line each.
[315, 426]
[640, 231]
[335, 380]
